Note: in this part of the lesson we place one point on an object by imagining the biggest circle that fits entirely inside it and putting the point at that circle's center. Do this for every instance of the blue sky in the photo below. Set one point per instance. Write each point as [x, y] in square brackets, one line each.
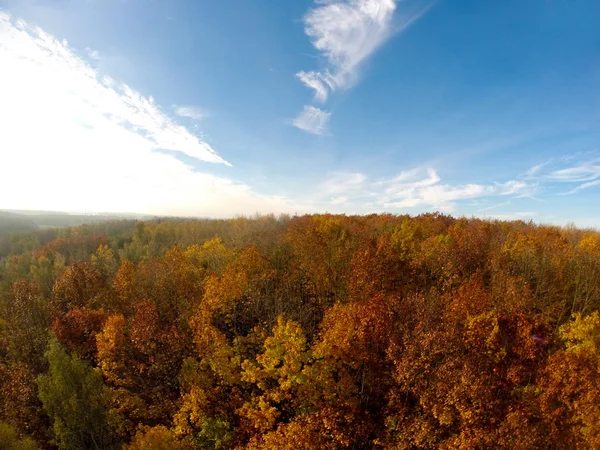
[213, 108]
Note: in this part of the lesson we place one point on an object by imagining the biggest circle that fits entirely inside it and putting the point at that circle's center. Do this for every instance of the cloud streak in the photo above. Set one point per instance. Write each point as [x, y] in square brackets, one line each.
[192, 112]
[584, 172]
[583, 186]
[520, 215]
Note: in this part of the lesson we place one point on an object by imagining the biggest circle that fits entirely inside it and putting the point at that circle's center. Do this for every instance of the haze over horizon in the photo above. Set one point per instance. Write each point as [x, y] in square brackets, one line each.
[215, 109]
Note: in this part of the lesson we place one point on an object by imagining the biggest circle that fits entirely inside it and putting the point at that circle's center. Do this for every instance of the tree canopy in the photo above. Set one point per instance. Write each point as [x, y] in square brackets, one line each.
[312, 332]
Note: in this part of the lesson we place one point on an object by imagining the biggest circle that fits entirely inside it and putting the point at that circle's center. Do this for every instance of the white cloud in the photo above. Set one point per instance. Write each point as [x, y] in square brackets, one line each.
[513, 187]
[407, 175]
[342, 183]
[413, 188]
[495, 206]
[586, 171]
[534, 170]
[519, 215]
[346, 33]
[316, 81]
[312, 120]
[408, 181]
[582, 186]
[438, 196]
[73, 140]
[192, 112]
[43, 74]
[93, 54]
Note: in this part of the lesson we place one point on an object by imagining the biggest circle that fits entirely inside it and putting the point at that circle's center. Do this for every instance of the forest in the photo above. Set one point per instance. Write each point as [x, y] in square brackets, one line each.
[305, 332]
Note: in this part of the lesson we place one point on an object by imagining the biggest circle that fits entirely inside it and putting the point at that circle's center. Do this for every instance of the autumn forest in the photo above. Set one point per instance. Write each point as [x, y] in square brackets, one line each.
[304, 332]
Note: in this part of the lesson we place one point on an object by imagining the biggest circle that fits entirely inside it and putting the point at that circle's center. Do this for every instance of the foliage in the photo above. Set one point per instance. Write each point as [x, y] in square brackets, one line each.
[75, 399]
[156, 438]
[10, 440]
[313, 332]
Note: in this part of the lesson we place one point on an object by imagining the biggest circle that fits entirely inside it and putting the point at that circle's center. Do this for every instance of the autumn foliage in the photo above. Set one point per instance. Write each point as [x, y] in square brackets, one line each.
[312, 332]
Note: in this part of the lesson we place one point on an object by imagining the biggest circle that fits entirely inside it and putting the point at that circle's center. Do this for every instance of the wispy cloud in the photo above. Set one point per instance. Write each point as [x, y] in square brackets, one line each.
[571, 169]
[342, 183]
[535, 170]
[519, 215]
[192, 112]
[514, 187]
[409, 189]
[92, 53]
[342, 200]
[75, 140]
[346, 33]
[583, 186]
[312, 120]
[443, 196]
[586, 171]
[316, 81]
[415, 188]
[495, 206]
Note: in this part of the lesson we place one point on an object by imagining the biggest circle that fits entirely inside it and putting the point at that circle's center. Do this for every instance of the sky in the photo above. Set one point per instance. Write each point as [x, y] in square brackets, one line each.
[216, 109]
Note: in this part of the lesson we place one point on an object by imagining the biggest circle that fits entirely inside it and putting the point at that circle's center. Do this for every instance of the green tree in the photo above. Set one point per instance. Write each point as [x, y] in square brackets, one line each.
[9, 439]
[25, 321]
[76, 400]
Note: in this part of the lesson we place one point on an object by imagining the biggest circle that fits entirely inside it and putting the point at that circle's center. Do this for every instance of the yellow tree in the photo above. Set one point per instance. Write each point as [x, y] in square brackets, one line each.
[570, 396]
[10, 439]
[226, 330]
[322, 246]
[155, 438]
[276, 375]
[348, 380]
[464, 374]
[79, 285]
[140, 358]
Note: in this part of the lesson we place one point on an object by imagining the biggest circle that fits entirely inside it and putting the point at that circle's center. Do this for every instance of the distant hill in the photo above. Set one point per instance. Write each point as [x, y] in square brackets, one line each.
[17, 221]
[11, 222]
